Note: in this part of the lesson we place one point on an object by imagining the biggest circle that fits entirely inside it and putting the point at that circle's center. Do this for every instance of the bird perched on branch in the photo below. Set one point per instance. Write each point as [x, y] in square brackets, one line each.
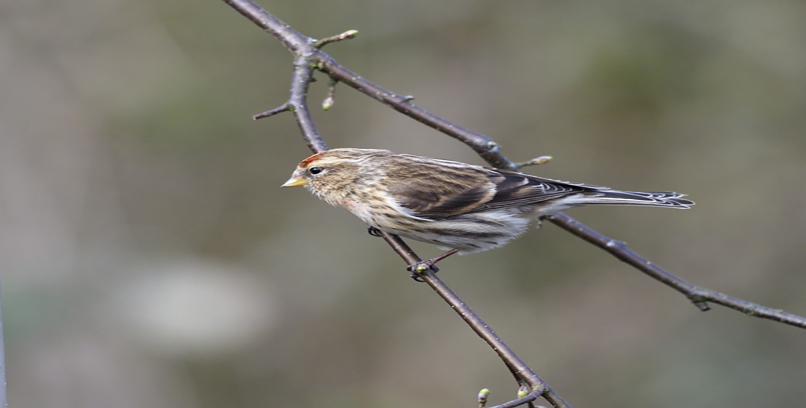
[461, 207]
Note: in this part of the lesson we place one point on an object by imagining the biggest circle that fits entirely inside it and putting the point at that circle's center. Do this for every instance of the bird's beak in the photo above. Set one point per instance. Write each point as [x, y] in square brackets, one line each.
[295, 181]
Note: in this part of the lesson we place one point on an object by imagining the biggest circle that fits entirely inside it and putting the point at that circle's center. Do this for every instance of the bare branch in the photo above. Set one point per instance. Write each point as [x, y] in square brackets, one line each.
[290, 38]
[341, 37]
[699, 296]
[526, 399]
[301, 47]
[486, 147]
[271, 112]
[303, 73]
[536, 161]
[519, 368]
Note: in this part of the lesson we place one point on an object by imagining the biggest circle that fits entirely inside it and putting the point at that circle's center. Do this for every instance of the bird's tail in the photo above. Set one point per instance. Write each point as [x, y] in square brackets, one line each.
[656, 198]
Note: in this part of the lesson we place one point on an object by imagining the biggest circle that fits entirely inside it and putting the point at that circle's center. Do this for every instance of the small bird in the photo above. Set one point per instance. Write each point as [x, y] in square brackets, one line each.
[460, 207]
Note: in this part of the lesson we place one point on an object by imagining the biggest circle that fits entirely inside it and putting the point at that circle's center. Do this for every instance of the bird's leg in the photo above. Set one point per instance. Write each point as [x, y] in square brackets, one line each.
[541, 219]
[420, 267]
[373, 231]
[432, 261]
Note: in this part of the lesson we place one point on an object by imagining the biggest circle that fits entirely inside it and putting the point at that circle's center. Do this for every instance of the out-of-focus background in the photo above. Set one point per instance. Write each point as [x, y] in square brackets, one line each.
[150, 259]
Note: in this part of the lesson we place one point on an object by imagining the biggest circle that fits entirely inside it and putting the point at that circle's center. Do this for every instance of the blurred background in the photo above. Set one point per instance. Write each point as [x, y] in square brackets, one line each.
[150, 259]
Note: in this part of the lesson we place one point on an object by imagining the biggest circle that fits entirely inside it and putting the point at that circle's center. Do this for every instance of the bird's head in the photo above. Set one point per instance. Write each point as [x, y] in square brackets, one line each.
[333, 174]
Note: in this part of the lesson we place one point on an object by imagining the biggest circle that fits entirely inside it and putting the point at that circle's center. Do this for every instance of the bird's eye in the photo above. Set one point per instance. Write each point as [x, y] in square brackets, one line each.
[315, 170]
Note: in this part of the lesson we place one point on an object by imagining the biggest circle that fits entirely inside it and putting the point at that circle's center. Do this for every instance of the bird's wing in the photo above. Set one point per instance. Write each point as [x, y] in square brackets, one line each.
[436, 190]
[515, 189]
[439, 189]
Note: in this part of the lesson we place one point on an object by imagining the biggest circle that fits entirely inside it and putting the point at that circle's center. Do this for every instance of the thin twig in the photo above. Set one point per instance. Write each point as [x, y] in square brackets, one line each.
[301, 46]
[699, 296]
[330, 99]
[303, 73]
[341, 37]
[290, 38]
[536, 161]
[526, 399]
[486, 147]
[518, 367]
[271, 112]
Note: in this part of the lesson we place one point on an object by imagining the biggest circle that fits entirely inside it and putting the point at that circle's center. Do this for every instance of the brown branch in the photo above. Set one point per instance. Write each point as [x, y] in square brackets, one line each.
[699, 296]
[302, 46]
[271, 112]
[527, 399]
[518, 367]
[349, 34]
[486, 147]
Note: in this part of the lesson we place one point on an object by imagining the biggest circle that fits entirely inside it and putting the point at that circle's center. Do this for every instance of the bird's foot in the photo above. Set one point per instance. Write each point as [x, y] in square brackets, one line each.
[374, 231]
[541, 219]
[420, 268]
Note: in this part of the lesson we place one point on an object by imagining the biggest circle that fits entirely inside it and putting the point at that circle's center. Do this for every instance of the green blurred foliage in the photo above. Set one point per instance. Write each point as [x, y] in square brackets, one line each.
[149, 257]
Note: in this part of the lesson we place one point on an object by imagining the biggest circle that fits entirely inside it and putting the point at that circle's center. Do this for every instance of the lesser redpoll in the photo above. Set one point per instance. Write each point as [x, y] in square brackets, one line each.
[458, 206]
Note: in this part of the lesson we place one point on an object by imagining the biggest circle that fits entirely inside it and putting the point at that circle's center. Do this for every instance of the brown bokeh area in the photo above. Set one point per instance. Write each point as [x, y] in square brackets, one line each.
[148, 257]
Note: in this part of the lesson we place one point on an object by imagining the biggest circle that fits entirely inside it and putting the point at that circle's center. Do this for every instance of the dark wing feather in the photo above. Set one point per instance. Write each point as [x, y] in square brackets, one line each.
[431, 190]
[417, 197]
[515, 189]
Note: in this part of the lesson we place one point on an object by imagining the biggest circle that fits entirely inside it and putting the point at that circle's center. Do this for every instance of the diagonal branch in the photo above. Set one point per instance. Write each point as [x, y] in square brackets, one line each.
[302, 46]
[699, 296]
[485, 146]
[291, 39]
[518, 367]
